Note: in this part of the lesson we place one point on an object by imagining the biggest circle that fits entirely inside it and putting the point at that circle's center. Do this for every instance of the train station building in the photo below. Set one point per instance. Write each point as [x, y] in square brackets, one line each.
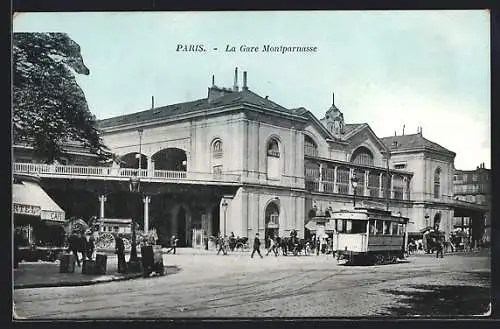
[234, 161]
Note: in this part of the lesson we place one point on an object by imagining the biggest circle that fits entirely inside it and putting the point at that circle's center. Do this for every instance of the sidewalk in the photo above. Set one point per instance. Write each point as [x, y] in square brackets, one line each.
[46, 274]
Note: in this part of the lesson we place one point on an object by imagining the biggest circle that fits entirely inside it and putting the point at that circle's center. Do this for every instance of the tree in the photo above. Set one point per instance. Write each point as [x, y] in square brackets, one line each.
[49, 107]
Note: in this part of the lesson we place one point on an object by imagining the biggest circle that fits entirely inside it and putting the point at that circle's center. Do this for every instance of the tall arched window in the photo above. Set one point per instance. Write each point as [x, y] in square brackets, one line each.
[273, 148]
[437, 183]
[217, 151]
[362, 156]
[273, 159]
[310, 147]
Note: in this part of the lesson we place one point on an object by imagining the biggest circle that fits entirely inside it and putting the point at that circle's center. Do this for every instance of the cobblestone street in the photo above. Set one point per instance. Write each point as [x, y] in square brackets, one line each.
[304, 286]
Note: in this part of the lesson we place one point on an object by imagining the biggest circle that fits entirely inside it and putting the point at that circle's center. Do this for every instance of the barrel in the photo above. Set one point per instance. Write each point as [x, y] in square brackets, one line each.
[67, 263]
[101, 261]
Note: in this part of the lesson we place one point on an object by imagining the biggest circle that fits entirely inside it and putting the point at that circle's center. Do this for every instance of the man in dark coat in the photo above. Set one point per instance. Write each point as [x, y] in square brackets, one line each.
[17, 243]
[256, 246]
[439, 245]
[173, 244]
[120, 251]
[90, 245]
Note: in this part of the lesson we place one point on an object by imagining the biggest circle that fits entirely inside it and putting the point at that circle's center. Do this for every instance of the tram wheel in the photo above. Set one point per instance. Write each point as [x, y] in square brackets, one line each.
[380, 260]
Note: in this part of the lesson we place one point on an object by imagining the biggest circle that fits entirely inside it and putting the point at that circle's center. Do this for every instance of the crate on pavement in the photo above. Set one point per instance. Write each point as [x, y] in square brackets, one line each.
[67, 263]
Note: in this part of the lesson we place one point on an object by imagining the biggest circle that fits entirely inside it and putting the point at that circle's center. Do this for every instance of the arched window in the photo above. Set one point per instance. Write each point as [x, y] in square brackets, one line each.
[273, 148]
[274, 165]
[437, 183]
[217, 151]
[362, 156]
[310, 147]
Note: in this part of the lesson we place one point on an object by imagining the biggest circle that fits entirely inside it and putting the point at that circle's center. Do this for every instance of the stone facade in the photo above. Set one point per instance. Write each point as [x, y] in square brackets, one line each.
[289, 164]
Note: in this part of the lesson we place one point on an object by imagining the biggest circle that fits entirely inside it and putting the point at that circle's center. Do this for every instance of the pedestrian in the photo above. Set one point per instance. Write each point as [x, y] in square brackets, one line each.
[273, 246]
[256, 246]
[120, 252]
[173, 244]
[439, 247]
[90, 245]
[223, 245]
[317, 245]
[17, 242]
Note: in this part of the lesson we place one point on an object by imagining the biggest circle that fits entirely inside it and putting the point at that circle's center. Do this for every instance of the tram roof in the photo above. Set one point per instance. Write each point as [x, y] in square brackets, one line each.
[368, 213]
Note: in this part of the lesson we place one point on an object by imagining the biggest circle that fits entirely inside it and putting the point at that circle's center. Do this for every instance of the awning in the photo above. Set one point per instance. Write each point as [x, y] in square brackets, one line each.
[28, 198]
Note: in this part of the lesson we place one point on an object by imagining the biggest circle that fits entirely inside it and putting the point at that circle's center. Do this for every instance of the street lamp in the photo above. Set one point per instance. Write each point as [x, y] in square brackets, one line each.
[134, 187]
[354, 183]
[224, 205]
[140, 130]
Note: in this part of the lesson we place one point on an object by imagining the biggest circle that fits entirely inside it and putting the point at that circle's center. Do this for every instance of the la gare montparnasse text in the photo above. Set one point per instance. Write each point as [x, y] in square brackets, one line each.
[250, 49]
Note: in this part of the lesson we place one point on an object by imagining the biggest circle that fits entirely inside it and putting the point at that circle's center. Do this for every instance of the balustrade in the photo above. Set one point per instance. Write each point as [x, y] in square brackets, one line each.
[37, 169]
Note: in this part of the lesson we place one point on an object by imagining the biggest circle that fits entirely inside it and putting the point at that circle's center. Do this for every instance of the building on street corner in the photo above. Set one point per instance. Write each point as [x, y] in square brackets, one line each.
[235, 161]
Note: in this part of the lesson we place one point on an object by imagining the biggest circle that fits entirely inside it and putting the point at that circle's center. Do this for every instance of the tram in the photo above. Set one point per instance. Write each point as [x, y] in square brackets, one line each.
[369, 236]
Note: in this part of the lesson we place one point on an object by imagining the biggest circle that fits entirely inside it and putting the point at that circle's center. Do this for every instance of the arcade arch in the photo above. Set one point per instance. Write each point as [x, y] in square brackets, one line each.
[174, 159]
[272, 214]
[131, 160]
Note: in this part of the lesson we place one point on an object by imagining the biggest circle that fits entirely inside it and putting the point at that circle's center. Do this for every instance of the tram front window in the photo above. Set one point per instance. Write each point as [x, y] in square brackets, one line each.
[358, 226]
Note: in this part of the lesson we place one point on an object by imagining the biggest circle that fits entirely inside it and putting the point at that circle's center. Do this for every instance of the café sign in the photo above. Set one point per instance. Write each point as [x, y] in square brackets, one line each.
[52, 215]
[24, 209]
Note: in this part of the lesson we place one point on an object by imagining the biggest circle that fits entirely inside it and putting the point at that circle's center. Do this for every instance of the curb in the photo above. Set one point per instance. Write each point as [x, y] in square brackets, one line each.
[77, 284]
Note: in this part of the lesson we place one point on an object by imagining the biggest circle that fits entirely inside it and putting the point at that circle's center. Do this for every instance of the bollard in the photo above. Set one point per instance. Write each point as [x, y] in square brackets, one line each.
[67, 263]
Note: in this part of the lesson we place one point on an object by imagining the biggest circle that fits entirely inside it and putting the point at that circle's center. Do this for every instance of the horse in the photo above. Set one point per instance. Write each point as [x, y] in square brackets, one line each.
[77, 244]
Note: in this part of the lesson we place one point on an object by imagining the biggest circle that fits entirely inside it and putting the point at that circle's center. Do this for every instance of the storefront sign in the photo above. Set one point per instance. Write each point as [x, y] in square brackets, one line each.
[23, 209]
[52, 215]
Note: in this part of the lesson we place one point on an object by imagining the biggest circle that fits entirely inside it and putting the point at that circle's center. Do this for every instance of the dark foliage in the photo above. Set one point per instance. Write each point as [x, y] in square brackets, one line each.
[49, 107]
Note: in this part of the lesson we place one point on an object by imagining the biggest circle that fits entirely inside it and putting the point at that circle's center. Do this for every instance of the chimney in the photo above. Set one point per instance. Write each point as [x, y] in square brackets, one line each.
[395, 133]
[245, 80]
[213, 80]
[403, 130]
[235, 87]
[152, 102]
[333, 98]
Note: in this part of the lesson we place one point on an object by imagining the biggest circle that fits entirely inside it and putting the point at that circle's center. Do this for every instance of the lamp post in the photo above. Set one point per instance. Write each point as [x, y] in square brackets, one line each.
[140, 130]
[224, 205]
[134, 187]
[354, 183]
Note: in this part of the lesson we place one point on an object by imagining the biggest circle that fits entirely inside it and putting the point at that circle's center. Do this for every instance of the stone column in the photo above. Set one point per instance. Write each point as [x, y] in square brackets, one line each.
[102, 200]
[351, 173]
[392, 187]
[367, 177]
[335, 187]
[405, 190]
[146, 200]
[380, 185]
[320, 185]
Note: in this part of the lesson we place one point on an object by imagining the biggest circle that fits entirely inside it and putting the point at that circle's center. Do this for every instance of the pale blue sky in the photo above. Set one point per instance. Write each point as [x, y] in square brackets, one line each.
[417, 68]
